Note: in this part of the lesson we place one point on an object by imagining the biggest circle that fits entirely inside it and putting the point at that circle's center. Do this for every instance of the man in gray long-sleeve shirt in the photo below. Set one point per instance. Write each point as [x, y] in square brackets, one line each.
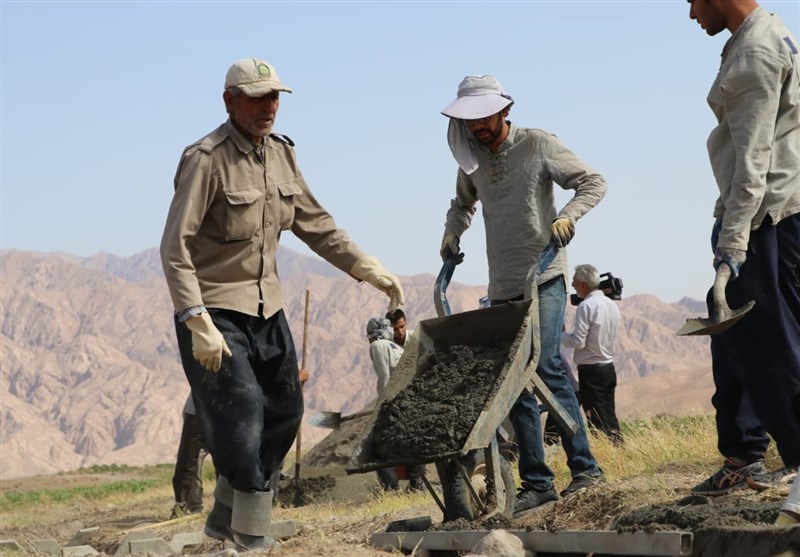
[755, 156]
[512, 171]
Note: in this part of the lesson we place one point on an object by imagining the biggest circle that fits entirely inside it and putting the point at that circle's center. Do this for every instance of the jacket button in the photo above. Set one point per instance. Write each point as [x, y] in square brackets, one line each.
[269, 197]
[269, 225]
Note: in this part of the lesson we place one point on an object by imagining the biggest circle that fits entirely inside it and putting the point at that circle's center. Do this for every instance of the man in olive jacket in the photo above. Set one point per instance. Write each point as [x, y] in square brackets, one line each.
[236, 190]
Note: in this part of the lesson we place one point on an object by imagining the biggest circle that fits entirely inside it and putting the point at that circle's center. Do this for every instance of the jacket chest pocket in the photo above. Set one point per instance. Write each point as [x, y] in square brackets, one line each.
[288, 191]
[244, 213]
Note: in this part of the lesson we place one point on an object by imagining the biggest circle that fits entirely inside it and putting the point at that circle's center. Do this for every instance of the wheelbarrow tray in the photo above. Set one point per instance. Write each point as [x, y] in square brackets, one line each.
[509, 325]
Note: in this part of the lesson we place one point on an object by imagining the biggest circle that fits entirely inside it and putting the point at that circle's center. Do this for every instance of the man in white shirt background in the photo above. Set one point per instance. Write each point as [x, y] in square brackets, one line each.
[593, 337]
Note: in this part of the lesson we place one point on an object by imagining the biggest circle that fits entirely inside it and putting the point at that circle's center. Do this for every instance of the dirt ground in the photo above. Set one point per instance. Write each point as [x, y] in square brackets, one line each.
[342, 511]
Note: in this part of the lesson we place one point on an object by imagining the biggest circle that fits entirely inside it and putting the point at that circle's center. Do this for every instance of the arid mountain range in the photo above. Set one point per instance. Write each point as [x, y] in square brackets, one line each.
[90, 372]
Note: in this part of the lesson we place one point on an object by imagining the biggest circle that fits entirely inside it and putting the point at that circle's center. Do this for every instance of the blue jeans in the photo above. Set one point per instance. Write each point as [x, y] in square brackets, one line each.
[525, 416]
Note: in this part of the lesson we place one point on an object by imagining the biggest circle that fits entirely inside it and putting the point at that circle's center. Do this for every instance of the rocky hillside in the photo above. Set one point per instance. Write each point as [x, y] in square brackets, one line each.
[90, 369]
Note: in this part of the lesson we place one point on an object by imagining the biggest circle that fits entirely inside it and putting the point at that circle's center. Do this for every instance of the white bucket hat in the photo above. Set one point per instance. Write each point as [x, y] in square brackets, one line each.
[254, 77]
[478, 96]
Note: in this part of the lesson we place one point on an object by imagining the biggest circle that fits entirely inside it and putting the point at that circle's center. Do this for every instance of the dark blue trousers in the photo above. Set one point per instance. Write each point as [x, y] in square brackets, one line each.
[249, 412]
[756, 363]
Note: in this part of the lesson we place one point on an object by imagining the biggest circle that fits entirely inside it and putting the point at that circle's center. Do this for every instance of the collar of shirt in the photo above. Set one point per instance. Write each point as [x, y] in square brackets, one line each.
[243, 143]
[748, 22]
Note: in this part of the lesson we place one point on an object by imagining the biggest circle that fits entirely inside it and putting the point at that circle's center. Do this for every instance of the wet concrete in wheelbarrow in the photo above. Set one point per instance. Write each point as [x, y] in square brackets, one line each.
[435, 413]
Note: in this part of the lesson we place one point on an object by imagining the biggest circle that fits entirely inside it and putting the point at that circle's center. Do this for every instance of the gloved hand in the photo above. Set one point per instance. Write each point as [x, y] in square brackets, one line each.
[563, 231]
[208, 344]
[734, 258]
[450, 244]
[370, 270]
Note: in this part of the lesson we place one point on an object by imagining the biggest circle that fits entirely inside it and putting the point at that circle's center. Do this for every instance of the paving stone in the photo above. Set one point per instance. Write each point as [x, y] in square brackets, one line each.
[179, 541]
[283, 529]
[47, 547]
[78, 551]
[83, 536]
[158, 546]
[125, 546]
[10, 545]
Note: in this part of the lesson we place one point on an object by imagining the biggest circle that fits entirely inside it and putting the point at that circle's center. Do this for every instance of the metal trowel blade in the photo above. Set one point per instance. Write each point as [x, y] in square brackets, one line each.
[713, 325]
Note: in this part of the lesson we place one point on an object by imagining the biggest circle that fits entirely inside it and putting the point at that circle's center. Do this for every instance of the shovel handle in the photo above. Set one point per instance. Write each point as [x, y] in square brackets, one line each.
[721, 306]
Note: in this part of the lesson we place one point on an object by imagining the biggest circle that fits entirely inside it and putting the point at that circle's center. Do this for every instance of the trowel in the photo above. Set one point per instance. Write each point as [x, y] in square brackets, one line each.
[722, 316]
[333, 420]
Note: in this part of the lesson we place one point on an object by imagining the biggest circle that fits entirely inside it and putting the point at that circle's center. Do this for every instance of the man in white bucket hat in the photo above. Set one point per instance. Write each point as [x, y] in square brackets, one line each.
[236, 190]
[511, 171]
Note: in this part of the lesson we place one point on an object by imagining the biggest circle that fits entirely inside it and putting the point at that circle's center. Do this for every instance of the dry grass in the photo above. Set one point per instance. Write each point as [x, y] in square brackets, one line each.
[661, 459]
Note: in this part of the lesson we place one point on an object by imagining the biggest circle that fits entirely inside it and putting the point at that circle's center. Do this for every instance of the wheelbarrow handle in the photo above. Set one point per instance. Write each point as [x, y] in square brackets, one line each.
[442, 281]
[545, 258]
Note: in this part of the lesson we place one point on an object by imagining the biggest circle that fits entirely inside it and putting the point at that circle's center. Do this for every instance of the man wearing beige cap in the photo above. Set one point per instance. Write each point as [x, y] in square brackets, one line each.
[236, 190]
[511, 171]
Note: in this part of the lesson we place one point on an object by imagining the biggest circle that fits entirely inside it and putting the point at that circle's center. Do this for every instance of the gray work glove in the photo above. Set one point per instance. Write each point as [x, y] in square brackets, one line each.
[563, 230]
[208, 344]
[450, 245]
[370, 270]
[733, 258]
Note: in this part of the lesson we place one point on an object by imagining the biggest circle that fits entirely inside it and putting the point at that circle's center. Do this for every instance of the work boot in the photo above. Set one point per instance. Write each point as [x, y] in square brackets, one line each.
[583, 481]
[218, 522]
[251, 521]
[733, 475]
[528, 500]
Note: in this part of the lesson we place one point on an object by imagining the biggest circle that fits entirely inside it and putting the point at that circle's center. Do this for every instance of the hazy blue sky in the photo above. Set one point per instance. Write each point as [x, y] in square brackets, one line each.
[99, 99]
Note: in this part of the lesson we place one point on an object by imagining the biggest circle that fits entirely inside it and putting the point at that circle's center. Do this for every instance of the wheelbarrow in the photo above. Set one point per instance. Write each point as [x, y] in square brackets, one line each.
[514, 328]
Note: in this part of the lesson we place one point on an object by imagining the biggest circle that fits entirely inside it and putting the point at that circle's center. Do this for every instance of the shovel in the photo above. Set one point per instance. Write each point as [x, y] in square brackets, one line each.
[333, 420]
[722, 316]
[298, 491]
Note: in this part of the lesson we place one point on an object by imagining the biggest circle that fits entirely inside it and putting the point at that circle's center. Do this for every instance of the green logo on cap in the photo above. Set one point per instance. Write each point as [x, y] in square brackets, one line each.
[263, 70]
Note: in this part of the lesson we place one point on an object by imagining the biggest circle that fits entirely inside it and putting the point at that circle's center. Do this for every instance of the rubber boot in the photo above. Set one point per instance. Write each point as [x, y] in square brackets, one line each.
[251, 521]
[218, 522]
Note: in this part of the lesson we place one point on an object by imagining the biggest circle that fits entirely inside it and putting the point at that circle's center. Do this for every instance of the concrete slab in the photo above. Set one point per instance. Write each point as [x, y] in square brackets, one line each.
[78, 551]
[156, 546]
[283, 529]
[125, 545]
[83, 536]
[10, 545]
[46, 547]
[190, 539]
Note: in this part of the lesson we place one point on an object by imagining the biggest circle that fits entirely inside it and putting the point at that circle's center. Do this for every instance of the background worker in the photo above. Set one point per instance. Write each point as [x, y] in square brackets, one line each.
[236, 190]
[187, 481]
[755, 155]
[401, 332]
[385, 353]
[593, 336]
[512, 171]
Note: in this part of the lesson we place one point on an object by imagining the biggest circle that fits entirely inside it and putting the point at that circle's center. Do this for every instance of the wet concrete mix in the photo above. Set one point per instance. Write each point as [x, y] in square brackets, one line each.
[435, 413]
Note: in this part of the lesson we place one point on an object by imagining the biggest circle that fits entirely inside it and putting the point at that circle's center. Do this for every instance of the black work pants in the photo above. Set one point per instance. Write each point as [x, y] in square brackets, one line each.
[250, 410]
[756, 363]
[598, 382]
[187, 481]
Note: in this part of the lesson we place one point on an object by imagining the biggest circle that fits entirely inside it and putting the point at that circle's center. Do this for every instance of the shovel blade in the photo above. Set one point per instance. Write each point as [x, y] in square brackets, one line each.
[714, 325]
[329, 420]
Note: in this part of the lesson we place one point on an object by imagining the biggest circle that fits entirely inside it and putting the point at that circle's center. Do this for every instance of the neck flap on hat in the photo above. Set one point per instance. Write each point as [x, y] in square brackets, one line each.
[462, 146]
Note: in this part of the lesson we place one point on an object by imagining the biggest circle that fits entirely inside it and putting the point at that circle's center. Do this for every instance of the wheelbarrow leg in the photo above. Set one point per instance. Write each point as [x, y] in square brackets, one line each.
[558, 411]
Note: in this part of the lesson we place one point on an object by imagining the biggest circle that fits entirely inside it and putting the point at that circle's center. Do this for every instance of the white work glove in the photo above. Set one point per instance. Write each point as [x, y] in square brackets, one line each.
[563, 230]
[450, 244]
[208, 344]
[370, 270]
[733, 258]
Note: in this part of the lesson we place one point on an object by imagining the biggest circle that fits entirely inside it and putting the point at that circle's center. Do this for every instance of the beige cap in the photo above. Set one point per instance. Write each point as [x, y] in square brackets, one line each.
[254, 77]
